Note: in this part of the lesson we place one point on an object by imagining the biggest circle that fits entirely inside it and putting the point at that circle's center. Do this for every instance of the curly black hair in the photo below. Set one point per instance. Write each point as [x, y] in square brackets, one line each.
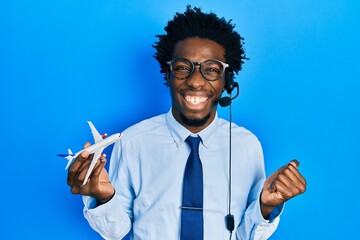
[194, 23]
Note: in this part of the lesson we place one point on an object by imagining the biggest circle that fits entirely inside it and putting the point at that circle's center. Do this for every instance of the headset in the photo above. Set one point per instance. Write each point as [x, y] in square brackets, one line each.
[230, 84]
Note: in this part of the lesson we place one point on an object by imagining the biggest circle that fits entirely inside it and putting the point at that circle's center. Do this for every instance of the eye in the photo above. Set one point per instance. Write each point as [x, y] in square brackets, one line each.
[181, 68]
[212, 70]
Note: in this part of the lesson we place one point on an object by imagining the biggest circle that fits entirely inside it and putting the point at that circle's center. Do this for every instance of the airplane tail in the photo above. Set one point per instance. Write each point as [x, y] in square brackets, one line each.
[70, 157]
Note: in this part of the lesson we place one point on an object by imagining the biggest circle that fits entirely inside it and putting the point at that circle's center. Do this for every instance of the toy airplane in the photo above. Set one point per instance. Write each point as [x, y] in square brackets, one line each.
[101, 142]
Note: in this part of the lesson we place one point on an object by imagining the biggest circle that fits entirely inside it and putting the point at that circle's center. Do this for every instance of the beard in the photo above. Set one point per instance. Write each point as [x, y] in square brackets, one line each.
[194, 122]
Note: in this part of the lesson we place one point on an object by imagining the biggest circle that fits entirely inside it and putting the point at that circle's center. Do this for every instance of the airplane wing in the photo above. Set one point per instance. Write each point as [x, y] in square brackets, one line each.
[92, 164]
[97, 136]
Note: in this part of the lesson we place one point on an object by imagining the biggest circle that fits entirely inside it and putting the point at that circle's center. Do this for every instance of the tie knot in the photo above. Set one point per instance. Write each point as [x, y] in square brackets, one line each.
[193, 142]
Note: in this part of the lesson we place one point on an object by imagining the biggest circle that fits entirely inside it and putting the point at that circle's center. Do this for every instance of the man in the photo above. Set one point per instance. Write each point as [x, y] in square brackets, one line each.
[146, 194]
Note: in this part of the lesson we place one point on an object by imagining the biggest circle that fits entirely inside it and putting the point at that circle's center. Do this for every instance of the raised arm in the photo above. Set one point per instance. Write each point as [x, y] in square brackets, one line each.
[282, 185]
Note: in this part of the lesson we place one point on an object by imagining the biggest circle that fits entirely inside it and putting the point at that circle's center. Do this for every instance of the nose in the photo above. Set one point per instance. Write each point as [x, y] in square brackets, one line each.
[196, 80]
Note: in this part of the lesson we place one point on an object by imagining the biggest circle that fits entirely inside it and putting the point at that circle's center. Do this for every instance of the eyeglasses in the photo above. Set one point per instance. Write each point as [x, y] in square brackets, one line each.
[211, 70]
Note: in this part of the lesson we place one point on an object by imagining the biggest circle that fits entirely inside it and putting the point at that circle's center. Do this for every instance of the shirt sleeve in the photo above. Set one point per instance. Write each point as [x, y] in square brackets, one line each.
[254, 227]
[109, 220]
[112, 220]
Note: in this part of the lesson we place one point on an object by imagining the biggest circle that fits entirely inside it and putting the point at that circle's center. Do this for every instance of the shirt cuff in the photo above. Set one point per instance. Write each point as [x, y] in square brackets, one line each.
[90, 204]
[110, 220]
[276, 212]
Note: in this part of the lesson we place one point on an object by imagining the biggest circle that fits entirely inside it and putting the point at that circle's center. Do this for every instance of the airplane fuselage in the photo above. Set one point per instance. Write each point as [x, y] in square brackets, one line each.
[103, 144]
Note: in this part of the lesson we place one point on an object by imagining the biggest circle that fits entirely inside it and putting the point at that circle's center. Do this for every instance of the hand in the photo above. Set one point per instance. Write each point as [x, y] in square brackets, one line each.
[98, 184]
[285, 183]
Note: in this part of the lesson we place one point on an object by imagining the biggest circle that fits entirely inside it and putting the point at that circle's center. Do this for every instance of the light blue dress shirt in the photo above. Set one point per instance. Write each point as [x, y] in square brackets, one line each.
[147, 167]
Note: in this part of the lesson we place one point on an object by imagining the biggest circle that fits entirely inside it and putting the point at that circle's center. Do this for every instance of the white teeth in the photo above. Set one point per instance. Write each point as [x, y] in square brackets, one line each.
[195, 100]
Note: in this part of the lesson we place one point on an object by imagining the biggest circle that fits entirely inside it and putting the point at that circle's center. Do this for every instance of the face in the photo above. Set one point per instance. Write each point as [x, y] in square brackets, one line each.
[195, 99]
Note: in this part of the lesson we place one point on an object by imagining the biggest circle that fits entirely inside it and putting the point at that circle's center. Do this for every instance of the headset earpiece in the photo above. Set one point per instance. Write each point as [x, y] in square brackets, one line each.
[229, 81]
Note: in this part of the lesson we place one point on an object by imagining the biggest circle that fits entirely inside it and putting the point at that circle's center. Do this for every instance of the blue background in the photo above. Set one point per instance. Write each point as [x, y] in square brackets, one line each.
[63, 62]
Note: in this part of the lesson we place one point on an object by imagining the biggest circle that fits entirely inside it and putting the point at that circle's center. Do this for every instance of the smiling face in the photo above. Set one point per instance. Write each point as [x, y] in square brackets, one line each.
[194, 100]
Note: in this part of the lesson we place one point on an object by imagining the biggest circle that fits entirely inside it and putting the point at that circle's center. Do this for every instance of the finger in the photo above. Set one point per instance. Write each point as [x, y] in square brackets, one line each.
[85, 154]
[95, 176]
[76, 178]
[77, 166]
[294, 174]
[271, 186]
[295, 163]
[273, 177]
[79, 159]
[284, 193]
[86, 164]
[75, 190]
[74, 170]
[292, 184]
[99, 168]
[83, 172]
[290, 173]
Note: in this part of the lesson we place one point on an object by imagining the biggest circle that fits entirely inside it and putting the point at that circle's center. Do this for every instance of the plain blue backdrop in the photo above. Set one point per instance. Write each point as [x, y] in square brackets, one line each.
[63, 62]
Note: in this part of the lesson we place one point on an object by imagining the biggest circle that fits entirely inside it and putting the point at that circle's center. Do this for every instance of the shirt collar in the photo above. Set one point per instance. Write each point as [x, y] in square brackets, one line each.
[179, 133]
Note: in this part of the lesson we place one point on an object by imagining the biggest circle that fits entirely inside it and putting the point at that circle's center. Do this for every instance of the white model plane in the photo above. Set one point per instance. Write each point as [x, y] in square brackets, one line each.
[101, 142]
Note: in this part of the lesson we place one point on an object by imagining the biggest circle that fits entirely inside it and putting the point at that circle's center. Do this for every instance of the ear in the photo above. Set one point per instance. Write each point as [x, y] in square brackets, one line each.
[167, 74]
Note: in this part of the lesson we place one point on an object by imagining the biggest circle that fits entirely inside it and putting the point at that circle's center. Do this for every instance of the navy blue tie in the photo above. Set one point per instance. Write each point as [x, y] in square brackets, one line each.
[192, 202]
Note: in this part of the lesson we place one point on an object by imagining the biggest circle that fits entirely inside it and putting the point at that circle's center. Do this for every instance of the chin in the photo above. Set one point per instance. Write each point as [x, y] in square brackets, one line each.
[194, 122]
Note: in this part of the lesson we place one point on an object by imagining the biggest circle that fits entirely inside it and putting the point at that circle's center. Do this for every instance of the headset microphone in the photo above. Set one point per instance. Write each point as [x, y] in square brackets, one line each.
[226, 101]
